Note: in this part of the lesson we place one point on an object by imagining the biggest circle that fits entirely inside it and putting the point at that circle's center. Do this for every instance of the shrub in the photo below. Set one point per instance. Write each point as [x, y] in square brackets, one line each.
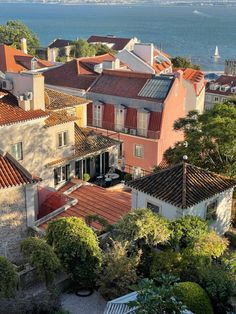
[187, 230]
[8, 277]
[168, 262]
[210, 245]
[194, 297]
[119, 270]
[41, 256]
[143, 227]
[219, 283]
[86, 177]
[77, 247]
[127, 177]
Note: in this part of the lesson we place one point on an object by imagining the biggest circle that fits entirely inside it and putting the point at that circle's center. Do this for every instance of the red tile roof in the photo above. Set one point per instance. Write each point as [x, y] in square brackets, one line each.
[78, 73]
[120, 83]
[59, 117]
[194, 76]
[14, 60]
[224, 80]
[95, 200]
[119, 42]
[11, 113]
[12, 173]
[159, 67]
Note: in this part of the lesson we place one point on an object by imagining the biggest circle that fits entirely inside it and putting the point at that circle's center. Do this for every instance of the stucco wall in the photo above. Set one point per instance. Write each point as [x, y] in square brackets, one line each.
[13, 221]
[39, 145]
[224, 205]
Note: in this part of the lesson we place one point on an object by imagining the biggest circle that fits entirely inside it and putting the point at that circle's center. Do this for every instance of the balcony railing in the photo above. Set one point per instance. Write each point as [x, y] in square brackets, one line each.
[106, 125]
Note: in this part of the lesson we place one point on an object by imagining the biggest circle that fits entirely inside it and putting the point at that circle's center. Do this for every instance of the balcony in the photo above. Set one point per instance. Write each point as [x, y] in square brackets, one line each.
[108, 126]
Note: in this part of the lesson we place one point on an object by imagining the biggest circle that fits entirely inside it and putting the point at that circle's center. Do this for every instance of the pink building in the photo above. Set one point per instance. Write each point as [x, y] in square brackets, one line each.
[139, 109]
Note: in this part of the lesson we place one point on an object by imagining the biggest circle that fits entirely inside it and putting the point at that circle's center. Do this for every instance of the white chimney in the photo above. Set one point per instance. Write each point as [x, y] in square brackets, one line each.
[145, 52]
[23, 42]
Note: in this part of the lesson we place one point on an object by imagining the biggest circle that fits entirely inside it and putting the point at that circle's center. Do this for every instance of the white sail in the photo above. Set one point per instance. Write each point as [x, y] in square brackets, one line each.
[216, 54]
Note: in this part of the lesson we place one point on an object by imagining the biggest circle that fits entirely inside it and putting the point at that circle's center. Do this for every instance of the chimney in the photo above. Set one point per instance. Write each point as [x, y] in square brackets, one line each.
[23, 43]
[28, 88]
[145, 52]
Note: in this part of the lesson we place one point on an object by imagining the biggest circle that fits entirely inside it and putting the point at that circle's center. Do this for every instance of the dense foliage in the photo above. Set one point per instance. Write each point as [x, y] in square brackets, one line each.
[142, 227]
[166, 262]
[41, 256]
[210, 140]
[8, 277]
[119, 270]
[77, 247]
[153, 299]
[81, 48]
[186, 230]
[182, 62]
[14, 31]
[194, 297]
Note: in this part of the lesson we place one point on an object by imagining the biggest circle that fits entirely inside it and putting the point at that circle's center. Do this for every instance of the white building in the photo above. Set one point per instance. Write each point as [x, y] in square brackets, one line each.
[186, 190]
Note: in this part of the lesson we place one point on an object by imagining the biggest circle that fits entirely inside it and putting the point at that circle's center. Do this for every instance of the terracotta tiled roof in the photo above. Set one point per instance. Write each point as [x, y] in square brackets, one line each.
[78, 73]
[95, 200]
[14, 60]
[132, 85]
[56, 100]
[119, 42]
[194, 76]
[224, 80]
[87, 141]
[59, 117]
[183, 185]
[11, 113]
[12, 173]
[60, 43]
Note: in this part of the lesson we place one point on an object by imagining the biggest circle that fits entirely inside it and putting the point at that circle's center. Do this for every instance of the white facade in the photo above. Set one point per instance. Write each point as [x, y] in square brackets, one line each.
[223, 210]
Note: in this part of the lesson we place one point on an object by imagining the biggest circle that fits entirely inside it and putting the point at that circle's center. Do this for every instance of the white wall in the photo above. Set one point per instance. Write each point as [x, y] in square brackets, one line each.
[224, 201]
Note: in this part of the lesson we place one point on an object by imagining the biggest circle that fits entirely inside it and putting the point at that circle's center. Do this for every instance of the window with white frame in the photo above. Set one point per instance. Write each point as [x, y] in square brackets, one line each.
[97, 115]
[62, 138]
[211, 209]
[142, 123]
[138, 150]
[61, 174]
[16, 151]
[155, 208]
[216, 98]
[120, 119]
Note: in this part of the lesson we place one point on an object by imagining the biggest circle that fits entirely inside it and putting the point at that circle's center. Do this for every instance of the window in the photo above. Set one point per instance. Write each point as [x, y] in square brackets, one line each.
[97, 115]
[120, 118]
[153, 207]
[142, 123]
[216, 98]
[16, 151]
[138, 151]
[62, 139]
[211, 211]
[61, 174]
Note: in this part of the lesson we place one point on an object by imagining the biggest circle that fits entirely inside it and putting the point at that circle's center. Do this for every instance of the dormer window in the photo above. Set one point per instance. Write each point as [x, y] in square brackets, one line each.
[224, 88]
[143, 119]
[120, 118]
[233, 90]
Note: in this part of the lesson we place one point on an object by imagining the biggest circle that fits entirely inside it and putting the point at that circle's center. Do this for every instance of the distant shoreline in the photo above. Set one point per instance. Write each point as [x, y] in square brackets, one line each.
[177, 4]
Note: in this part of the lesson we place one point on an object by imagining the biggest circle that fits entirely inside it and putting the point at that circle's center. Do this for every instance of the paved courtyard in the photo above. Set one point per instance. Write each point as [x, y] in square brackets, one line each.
[93, 304]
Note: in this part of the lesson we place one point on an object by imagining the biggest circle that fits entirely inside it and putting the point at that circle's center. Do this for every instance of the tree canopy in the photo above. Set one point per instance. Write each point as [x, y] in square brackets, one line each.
[8, 277]
[81, 48]
[77, 247]
[182, 62]
[210, 140]
[13, 31]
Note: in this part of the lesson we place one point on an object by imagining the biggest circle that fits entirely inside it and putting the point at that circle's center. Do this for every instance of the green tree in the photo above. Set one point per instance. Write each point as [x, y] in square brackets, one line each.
[210, 245]
[8, 277]
[210, 140]
[182, 62]
[194, 297]
[41, 256]
[186, 230]
[103, 49]
[14, 31]
[142, 227]
[82, 49]
[119, 270]
[152, 299]
[77, 247]
[166, 262]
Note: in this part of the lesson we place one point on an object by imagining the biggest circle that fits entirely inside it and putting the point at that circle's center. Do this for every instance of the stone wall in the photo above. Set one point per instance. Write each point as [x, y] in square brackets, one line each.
[13, 222]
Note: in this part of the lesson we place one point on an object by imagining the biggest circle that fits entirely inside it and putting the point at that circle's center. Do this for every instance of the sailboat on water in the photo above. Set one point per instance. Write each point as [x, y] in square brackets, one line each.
[216, 54]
